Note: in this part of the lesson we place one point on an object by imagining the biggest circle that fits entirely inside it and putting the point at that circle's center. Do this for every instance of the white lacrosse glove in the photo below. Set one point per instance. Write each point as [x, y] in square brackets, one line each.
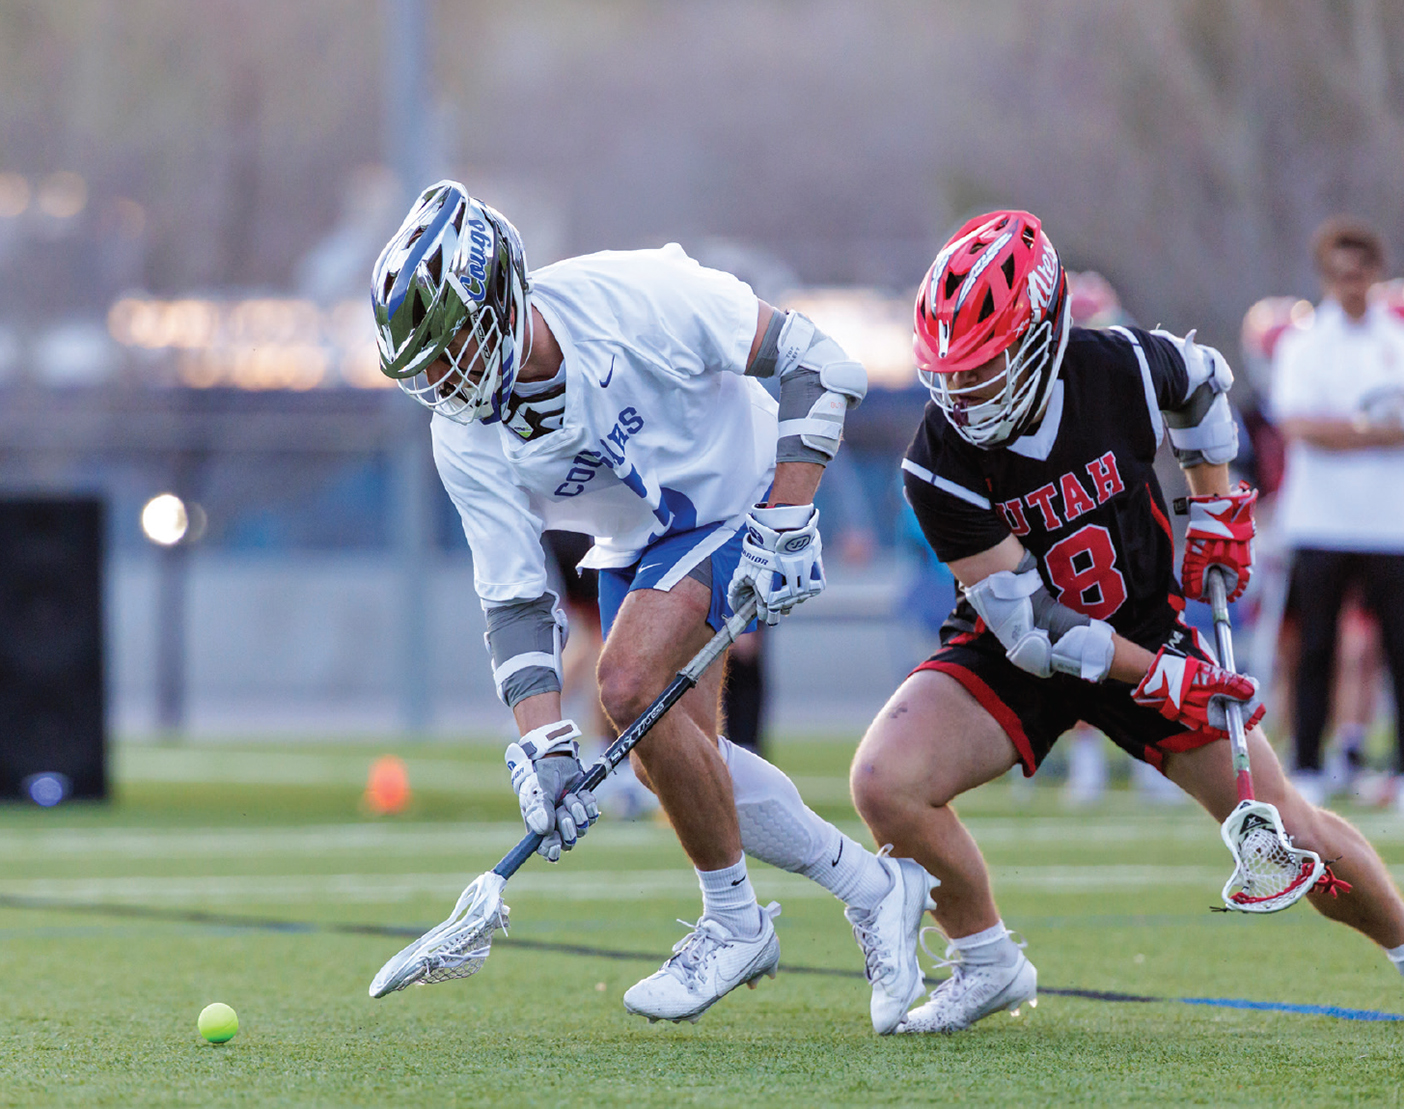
[780, 560]
[542, 763]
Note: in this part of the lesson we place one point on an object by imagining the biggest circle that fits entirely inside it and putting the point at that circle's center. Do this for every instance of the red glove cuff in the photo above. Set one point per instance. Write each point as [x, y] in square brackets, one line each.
[1227, 516]
[1220, 533]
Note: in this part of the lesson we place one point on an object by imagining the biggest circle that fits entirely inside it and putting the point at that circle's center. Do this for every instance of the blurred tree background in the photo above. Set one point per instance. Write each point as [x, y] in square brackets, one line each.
[1185, 148]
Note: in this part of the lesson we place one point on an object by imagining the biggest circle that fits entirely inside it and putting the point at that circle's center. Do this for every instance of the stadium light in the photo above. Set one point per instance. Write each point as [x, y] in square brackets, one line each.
[164, 520]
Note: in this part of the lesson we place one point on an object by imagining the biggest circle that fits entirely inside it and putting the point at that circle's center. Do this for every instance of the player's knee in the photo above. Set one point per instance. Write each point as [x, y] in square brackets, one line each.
[882, 795]
[621, 701]
[622, 691]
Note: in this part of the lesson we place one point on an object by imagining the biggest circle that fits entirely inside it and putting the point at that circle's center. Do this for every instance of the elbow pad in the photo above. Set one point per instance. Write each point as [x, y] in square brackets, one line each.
[1041, 635]
[819, 383]
[1203, 429]
[524, 640]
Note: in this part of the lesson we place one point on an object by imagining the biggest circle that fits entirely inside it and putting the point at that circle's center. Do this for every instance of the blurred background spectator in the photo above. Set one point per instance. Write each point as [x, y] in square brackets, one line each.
[1338, 398]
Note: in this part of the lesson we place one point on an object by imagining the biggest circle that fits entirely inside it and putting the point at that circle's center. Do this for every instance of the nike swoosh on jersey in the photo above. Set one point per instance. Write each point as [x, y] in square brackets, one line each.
[609, 376]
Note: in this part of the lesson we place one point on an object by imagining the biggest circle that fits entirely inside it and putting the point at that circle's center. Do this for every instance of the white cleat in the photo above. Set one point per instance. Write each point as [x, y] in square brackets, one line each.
[706, 965]
[888, 936]
[972, 993]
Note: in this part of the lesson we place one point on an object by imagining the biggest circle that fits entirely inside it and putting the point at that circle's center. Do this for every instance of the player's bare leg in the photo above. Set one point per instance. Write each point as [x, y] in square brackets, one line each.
[884, 897]
[1373, 905]
[653, 636]
[734, 941]
[931, 742]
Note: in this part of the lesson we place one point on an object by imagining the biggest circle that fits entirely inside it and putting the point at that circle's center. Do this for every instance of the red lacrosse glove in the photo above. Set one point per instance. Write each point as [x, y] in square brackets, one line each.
[1220, 533]
[1196, 693]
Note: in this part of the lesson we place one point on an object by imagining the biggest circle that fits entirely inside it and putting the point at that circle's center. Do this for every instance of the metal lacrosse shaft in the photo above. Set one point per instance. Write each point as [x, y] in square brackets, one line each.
[619, 750]
[1238, 740]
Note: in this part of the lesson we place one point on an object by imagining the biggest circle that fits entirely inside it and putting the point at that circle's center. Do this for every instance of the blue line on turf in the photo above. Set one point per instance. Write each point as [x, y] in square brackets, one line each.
[1286, 1007]
[226, 923]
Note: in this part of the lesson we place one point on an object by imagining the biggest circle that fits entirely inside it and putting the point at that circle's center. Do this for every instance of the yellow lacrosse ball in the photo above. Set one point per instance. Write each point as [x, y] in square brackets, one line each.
[218, 1023]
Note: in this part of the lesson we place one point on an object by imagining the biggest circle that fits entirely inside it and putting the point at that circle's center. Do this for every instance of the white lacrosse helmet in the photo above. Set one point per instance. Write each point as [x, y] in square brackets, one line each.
[452, 284]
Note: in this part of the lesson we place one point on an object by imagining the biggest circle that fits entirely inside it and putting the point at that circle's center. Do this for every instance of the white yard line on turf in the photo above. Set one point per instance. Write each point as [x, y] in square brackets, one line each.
[304, 840]
[596, 885]
[455, 838]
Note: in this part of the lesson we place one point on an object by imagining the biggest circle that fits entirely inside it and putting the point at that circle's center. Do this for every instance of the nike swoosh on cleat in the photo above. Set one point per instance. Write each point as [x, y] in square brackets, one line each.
[839, 855]
[608, 377]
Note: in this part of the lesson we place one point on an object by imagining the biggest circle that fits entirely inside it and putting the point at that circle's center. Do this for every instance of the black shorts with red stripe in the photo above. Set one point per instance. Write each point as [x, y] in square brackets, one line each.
[1034, 711]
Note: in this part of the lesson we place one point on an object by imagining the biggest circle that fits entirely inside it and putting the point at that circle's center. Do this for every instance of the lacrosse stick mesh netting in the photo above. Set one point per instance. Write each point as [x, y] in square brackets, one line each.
[1270, 872]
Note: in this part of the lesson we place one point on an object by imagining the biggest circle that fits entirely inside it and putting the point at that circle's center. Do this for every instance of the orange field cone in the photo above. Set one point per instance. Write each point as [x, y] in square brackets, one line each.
[387, 786]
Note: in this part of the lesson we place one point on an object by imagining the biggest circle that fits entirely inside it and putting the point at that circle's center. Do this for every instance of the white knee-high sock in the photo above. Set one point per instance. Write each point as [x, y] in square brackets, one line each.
[1396, 956]
[778, 828]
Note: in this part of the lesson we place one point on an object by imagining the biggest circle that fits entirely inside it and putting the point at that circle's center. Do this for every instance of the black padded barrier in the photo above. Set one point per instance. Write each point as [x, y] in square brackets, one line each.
[52, 706]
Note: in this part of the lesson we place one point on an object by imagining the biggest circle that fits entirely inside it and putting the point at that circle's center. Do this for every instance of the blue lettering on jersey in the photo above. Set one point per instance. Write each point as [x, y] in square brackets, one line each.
[628, 423]
[586, 464]
[583, 467]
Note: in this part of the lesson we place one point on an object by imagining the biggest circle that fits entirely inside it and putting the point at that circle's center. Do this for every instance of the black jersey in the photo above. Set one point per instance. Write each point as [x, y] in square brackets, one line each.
[1079, 491]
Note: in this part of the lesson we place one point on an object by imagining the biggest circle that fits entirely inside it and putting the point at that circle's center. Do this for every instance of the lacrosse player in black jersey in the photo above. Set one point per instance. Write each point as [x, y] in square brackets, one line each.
[1031, 476]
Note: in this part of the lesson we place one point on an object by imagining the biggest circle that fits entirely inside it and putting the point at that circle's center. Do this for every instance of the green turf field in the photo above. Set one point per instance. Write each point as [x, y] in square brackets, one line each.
[120, 923]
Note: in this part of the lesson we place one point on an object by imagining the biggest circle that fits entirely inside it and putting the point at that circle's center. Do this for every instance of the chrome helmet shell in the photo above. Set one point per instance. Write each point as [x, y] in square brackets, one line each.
[452, 305]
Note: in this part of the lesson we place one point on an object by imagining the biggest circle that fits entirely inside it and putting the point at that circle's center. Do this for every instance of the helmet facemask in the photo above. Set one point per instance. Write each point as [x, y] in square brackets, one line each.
[452, 304]
[1031, 366]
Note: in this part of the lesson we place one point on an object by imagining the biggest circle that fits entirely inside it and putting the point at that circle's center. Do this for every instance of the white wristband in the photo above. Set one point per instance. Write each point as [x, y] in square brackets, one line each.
[551, 739]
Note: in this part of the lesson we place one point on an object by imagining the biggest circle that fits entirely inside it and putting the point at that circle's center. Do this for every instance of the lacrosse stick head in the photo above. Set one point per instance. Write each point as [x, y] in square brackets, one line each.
[457, 948]
[1269, 874]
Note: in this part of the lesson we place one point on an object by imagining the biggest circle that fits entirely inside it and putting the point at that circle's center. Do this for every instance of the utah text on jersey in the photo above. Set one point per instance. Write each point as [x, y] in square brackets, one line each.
[1079, 490]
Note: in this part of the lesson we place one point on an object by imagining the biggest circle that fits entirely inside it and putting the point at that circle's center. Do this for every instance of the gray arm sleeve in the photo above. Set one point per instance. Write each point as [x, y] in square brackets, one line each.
[524, 639]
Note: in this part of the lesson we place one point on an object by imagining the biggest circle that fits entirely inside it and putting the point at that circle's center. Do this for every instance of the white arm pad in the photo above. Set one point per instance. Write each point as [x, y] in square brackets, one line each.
[1038, 634]
[819, 383]
[1203, 428]
[1214, 439]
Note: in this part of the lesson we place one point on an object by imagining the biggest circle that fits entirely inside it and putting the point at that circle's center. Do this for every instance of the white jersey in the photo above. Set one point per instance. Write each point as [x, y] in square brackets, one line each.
[662, 432]
[1340, 499]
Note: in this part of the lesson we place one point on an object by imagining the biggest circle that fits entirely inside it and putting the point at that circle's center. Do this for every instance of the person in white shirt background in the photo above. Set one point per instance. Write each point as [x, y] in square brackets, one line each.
[616, 395]
[1338, 398]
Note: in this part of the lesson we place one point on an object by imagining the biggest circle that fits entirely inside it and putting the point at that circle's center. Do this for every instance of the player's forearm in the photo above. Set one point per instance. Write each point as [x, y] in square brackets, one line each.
[1130, 661]
[1341, 435]
[795, 483]
[537, 710]
[1207, 480]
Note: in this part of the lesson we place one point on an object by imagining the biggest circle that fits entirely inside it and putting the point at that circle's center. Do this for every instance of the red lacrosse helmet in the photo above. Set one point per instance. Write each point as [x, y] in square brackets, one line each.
[997, 287]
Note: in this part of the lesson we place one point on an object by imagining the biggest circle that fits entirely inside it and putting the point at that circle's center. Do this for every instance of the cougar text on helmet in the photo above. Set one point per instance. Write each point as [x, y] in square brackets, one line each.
[480, 238]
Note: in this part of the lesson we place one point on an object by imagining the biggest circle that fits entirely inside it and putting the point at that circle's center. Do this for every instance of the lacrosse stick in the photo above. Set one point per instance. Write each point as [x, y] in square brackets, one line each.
[458, 947]
[1269, 874]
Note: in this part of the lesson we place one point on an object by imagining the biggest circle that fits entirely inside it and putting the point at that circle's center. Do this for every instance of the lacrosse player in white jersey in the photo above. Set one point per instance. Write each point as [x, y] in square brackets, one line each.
[616, 395]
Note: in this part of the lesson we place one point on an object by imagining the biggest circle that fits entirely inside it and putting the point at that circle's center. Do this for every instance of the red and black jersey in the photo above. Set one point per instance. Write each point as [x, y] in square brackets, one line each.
[1079, 491]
